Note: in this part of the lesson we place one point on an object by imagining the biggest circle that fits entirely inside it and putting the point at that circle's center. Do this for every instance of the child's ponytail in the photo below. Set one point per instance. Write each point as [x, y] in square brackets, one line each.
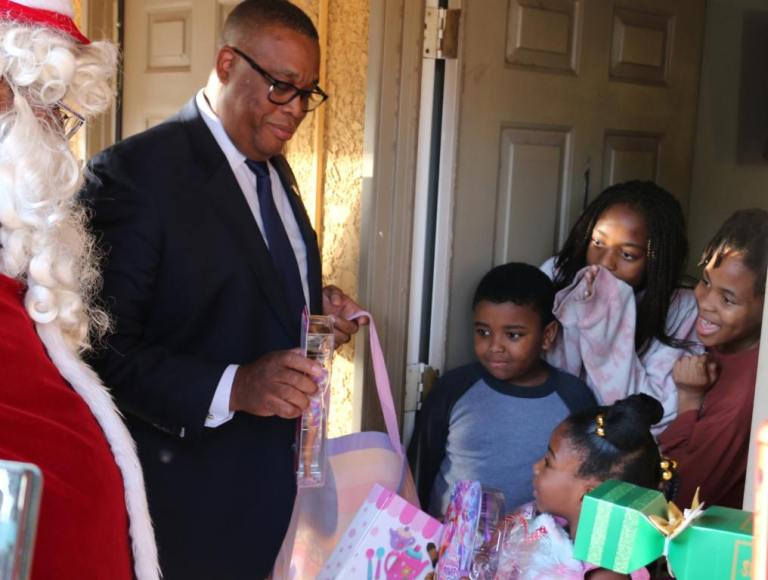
[628, 422]
[617, 441]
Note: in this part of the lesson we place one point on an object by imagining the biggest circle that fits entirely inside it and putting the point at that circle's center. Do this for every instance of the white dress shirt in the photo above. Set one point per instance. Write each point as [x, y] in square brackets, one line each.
[219, 412]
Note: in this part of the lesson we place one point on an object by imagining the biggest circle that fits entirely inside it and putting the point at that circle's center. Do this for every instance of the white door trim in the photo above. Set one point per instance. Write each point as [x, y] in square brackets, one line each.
[759, 413]
[444, 213]
[386, 221]
[445, 206]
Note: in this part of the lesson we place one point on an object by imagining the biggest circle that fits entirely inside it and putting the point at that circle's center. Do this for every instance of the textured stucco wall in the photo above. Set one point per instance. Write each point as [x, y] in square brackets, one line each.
[338, 130]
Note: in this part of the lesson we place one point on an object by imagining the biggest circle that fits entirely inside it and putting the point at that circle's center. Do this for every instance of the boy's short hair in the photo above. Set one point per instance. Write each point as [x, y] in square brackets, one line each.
[521, 284]
[744, 233]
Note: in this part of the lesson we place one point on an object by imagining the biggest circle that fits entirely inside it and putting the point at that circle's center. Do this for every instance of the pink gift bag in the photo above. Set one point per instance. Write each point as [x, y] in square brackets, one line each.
[355, 463]
[388, 539]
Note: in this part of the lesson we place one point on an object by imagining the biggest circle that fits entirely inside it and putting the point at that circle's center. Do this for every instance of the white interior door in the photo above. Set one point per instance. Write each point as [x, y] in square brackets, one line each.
[169, 52]
[558, 99]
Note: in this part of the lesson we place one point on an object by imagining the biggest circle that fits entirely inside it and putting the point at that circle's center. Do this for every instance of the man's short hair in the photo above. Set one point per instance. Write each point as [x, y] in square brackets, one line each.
[252, 14]
[521, 284]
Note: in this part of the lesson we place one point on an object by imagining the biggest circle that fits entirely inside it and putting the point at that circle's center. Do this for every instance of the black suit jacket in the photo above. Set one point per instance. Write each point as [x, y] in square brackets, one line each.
[191, 288]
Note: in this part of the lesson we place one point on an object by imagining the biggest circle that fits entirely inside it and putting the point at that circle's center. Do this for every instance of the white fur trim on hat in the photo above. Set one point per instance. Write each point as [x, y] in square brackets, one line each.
[56, 14]
[61, 6]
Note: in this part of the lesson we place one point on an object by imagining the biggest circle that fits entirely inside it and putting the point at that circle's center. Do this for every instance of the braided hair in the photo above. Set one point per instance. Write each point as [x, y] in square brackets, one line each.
[665, 255]
[744, 233]
[626, 450]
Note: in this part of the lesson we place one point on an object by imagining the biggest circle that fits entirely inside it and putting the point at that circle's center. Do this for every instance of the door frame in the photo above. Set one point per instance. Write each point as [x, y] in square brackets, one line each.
[387, 207]
[104, 20]
[395, 188]
[445, 205]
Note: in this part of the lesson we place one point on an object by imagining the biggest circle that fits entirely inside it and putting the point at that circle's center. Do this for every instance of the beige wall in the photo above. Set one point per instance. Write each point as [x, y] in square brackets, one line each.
[331, 140]
[720, 185]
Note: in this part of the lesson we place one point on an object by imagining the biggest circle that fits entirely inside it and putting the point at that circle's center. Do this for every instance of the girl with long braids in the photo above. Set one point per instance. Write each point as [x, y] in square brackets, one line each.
[625, 319]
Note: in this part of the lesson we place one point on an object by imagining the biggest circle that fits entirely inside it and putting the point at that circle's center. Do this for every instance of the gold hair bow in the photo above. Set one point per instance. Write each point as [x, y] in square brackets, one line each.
[668, 467]
[600, 422]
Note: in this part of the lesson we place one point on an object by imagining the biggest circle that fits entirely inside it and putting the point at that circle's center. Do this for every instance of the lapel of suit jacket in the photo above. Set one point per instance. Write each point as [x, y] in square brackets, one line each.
[223, 192]
[314, 269]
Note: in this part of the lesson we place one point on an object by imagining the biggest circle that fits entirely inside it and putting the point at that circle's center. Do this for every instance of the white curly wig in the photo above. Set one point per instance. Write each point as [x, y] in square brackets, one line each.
[43, 239]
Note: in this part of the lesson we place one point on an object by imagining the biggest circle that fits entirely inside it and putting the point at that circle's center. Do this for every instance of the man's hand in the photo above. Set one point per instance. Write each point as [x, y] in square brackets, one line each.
[694, 376]
[278, 383]
[341, 307]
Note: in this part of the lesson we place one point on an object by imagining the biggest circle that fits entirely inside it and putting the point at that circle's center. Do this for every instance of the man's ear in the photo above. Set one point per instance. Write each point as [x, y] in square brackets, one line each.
[225, 58]
[550, 334]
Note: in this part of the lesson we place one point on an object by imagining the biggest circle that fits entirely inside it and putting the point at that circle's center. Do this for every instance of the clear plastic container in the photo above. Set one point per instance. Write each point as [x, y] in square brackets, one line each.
[312, 431]
[485, 559]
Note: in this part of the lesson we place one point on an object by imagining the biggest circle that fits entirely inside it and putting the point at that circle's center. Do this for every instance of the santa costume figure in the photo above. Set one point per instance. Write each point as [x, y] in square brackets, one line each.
[54, 410]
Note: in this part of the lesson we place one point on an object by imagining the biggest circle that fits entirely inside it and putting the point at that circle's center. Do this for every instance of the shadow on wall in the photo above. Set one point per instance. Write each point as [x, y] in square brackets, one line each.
[752, 140]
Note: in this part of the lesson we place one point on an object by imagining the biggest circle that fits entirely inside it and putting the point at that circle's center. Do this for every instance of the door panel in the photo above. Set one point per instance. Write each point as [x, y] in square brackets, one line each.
[641, 46]
[542, 35]
[530, 193]
[169, 48]
[630, 156]
[551, 89]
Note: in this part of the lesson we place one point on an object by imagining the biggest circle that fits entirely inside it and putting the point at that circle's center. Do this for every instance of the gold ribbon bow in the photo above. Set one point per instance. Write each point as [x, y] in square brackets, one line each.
[676, 522]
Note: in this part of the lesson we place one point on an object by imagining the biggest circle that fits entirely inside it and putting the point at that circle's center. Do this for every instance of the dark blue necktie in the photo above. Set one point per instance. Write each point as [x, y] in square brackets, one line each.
[279, 245]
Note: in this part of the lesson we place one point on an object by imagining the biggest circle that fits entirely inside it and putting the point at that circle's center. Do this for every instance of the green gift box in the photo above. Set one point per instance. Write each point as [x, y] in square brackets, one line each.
[718, 544]
[615, 533]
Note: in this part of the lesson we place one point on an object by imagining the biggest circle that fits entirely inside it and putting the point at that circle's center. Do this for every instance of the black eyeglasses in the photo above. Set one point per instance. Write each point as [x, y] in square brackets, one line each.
[281, 92]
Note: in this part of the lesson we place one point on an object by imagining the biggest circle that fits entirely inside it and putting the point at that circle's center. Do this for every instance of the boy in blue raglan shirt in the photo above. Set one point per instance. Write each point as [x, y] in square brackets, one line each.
[491, 420]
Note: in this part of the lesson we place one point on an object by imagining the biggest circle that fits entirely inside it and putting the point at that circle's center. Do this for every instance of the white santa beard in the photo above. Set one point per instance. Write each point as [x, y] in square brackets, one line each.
[41, 231]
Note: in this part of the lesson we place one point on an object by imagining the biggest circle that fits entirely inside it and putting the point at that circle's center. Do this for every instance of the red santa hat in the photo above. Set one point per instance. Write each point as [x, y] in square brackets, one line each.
[56, 14]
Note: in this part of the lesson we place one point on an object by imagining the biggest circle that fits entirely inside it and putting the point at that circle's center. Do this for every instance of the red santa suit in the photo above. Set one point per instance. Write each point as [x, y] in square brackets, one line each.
[84, 521]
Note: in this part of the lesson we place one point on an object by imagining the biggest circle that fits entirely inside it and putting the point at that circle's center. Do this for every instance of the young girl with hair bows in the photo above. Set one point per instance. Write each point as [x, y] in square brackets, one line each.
[586, 449]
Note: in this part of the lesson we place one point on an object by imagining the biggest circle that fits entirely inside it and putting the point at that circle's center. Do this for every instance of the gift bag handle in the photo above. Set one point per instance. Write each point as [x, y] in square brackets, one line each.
[381, 377]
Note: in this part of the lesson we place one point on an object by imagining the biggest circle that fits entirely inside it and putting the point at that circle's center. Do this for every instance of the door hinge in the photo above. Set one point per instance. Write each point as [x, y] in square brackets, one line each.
[441, 33]
[418, 382]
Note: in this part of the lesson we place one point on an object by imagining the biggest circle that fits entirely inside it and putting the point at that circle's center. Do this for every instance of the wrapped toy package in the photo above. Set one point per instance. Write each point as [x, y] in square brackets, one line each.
[470, 541]
[388, 539]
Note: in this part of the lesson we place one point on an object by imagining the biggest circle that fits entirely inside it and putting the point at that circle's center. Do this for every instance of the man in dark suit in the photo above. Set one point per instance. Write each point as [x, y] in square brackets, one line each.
[209, 258]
